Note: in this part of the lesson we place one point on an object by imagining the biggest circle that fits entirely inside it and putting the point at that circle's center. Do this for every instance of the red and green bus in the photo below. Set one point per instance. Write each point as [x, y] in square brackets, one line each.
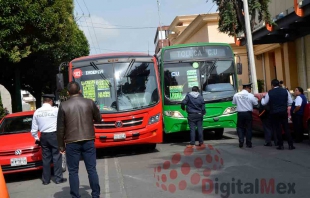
[211, 67]
[126, 89]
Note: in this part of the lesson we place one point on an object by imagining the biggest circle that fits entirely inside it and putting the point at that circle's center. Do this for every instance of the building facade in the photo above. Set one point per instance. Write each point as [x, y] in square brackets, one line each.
[161, 38]
[283, 50]
[204, 28]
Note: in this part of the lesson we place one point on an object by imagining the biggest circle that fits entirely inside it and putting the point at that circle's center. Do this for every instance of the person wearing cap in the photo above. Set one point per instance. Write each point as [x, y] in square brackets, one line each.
[278, 100]
[45, 121]
[245, 101]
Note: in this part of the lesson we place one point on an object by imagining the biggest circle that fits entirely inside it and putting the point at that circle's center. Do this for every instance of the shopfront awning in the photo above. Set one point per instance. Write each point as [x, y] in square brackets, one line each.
[289, 26]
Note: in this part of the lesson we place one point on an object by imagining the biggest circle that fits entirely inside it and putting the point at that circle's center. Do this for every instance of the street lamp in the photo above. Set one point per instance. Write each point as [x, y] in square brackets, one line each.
[250, 46]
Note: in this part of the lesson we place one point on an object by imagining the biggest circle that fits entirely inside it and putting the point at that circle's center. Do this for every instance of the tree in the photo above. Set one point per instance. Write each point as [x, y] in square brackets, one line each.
[232, 21]
[2, 112]
[35, 37]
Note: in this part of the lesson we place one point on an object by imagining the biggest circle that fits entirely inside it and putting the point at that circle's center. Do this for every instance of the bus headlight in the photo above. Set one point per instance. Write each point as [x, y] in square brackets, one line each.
[154, 119]
[230, 110]
[174, 114]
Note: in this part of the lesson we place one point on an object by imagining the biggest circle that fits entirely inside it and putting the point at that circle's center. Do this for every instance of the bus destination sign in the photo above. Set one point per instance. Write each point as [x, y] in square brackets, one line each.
[187, 53]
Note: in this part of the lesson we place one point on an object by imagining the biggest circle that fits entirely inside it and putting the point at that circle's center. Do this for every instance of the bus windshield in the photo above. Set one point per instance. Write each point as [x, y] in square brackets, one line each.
[119, 87]
[215, 79]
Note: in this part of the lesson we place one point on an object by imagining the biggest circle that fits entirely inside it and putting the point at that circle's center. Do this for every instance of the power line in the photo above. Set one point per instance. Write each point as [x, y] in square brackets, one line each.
[133, 28]
[80, 6]
[92, 25]
[123, 25]
[91, 39]
[119, 50]
[211, 8]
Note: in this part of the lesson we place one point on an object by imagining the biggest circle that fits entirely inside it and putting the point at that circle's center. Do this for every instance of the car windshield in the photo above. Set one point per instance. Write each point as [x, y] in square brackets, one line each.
[216, 79]
[119, 87]
[13, 125]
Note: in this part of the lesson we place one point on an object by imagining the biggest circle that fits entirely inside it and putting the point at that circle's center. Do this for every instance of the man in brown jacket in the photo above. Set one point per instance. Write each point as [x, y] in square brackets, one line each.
[76, 137]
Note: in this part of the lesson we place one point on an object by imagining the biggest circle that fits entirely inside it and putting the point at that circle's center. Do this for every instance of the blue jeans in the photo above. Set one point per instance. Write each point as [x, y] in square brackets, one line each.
[73, 153]
[195, 120]
[244, 127]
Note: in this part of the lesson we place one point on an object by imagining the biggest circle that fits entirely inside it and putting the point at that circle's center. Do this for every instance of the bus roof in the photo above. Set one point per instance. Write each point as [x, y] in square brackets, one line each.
[112, 55]
[194, 44]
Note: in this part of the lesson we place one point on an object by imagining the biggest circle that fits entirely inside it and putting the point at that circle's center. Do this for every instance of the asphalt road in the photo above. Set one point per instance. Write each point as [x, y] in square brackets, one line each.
[221, 169]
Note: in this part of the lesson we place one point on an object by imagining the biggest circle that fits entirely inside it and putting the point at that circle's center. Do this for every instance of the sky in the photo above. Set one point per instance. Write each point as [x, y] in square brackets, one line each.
[123, 25]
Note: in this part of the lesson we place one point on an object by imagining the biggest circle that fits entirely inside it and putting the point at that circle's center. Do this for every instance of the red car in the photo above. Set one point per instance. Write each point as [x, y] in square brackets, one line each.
[18, 151]
[258, 125]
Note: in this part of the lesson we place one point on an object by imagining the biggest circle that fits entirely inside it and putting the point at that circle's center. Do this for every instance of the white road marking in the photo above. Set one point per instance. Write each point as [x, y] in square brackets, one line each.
[106, 178]
[120, 177]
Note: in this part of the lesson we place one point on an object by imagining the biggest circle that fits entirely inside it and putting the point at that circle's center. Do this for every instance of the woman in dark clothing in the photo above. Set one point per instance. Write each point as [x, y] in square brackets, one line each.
[297, 112]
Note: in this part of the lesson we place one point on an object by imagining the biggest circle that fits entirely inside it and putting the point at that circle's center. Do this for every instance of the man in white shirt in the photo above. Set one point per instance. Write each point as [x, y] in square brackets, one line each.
[245, 102]
[45, 121]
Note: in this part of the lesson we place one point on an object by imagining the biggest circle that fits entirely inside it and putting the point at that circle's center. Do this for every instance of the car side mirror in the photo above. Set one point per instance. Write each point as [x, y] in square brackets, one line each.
[239, 68]
[60, 81]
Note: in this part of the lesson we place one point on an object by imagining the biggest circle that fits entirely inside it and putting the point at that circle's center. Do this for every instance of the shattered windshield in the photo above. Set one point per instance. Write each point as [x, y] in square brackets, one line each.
[118, 87]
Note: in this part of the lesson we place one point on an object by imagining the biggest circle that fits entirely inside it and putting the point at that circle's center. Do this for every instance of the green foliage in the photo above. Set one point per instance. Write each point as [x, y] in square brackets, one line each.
[35, 37]
[2, 112]
[232, 20]
[260, 84]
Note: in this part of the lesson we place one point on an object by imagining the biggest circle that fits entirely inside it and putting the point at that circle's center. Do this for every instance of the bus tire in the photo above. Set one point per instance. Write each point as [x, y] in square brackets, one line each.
[219, 133]
[308, 130]
[151, 147]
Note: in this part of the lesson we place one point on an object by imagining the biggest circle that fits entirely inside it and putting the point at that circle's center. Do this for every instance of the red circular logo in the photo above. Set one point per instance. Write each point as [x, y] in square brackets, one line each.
[77, 73]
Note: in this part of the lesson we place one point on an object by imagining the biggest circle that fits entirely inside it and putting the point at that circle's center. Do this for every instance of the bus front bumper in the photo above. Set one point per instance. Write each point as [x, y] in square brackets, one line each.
[148, 135]
[172, 125]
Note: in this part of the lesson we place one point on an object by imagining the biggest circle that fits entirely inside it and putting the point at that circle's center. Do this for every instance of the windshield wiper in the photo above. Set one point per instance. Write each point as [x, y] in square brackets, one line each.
[208, 72]
[129, 67]
[102, 75]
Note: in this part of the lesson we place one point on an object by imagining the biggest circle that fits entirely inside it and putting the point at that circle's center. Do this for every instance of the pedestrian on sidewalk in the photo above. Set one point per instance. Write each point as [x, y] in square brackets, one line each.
[45, 121]
[76, 137]
[297, 113]
[245, 101]
[195, 108]
[278, 100]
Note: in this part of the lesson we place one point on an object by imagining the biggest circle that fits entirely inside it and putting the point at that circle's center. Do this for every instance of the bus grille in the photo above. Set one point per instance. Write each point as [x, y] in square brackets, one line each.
[124, 123]
[24, 151]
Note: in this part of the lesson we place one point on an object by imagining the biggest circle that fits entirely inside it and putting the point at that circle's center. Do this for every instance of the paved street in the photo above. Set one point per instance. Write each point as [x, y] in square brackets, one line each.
[221, 169]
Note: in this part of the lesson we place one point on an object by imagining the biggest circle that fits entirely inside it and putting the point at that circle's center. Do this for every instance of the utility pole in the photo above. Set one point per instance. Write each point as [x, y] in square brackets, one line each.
[160, 28]
[250, 46]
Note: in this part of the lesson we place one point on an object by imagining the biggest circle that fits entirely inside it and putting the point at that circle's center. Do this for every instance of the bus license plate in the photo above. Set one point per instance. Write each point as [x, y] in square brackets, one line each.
[120, 136]
[18, 161]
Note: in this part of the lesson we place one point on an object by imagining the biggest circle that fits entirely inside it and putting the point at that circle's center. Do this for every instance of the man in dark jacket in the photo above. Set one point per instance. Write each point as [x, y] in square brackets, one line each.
[278, 100]
[76, 137]
[195, 108]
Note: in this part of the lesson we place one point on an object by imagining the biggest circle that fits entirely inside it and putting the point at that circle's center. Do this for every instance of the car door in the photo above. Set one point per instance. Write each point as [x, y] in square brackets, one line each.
[257, 123]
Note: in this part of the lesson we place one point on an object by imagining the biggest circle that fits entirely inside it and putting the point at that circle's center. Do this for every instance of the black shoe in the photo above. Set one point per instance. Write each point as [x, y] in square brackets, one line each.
[249, 146]
[240, 145]
[268, 144]
[45, 183]
[63, 180]
[280, 148]
[291, 147]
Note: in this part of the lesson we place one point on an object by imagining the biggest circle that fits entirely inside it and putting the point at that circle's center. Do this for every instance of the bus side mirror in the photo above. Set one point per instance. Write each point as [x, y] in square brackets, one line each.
[239, 68]
[60, 81]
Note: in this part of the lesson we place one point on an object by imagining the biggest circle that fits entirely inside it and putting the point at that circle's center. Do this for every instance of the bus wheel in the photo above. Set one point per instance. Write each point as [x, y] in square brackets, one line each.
[219, 133]
[151, 147]
[308, 130]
